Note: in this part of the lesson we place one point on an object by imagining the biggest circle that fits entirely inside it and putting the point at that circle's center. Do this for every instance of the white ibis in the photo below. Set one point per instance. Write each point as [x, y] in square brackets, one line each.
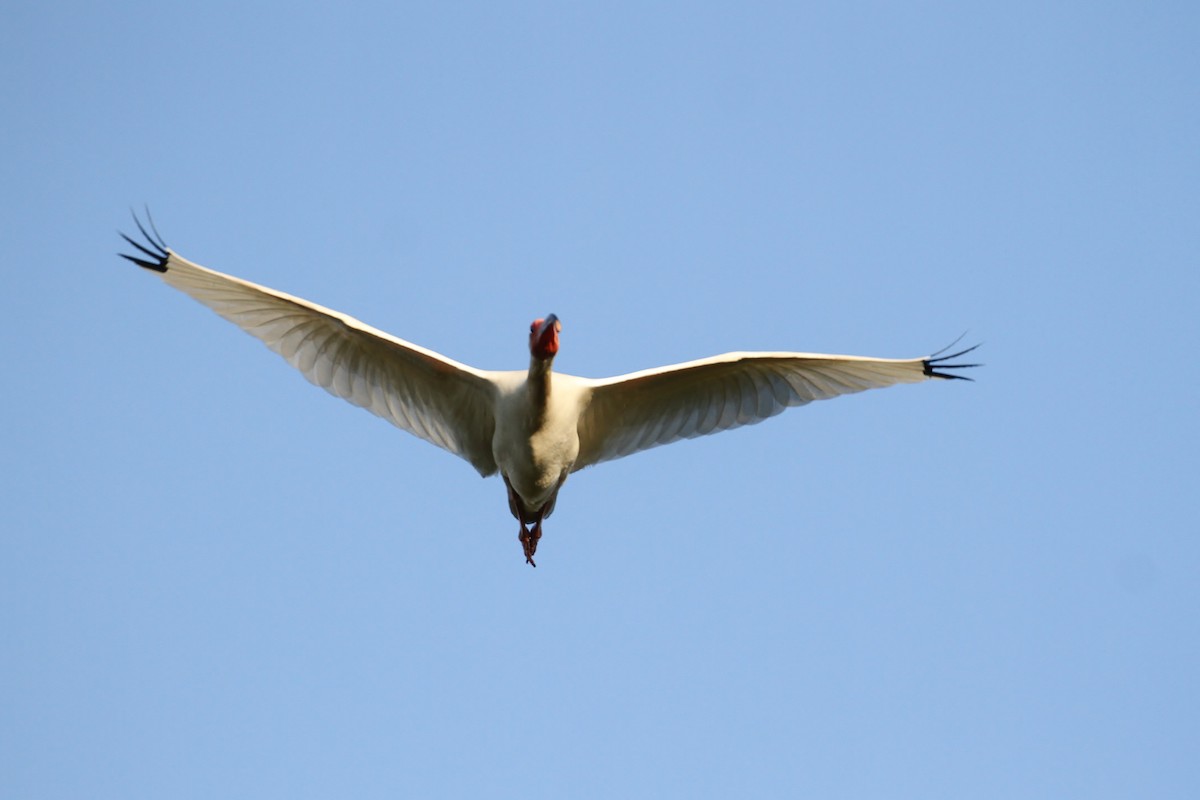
[534, 427]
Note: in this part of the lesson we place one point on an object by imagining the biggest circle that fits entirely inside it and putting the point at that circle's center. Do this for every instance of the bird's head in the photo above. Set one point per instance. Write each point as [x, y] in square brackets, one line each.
[543, 337]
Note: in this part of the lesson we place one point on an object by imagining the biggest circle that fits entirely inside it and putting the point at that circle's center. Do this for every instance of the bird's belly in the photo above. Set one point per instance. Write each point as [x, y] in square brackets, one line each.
[536, 465]
[535, 488]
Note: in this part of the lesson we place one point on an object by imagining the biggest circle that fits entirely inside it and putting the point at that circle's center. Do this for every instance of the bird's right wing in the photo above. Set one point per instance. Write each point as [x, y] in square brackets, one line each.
[635, 412]
[417, 390]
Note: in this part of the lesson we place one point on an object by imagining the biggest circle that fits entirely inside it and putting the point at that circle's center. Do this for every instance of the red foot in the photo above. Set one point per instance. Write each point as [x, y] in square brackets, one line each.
[529, 541]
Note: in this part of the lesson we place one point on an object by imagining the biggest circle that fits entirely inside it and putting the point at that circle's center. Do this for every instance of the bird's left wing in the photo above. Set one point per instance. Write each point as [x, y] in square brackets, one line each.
[443, 402]
[646, 409]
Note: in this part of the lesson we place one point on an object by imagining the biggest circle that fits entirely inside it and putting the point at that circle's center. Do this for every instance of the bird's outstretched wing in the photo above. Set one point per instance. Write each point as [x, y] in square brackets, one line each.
[418, 390]
[646, 409]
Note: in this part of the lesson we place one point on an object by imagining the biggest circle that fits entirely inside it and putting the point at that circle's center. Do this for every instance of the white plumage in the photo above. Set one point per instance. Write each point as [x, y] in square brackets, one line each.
[532, 426]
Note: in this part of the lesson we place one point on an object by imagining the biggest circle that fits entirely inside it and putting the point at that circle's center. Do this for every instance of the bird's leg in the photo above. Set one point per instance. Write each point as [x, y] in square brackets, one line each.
[528, 544]
[529, 538]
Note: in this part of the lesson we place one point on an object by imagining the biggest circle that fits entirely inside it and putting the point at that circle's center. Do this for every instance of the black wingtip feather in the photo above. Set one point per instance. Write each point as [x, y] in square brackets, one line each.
[936, 363]
[154, 248]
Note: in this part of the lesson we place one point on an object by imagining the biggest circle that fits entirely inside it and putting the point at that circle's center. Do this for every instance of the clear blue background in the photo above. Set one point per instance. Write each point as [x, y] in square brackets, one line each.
[217, 581]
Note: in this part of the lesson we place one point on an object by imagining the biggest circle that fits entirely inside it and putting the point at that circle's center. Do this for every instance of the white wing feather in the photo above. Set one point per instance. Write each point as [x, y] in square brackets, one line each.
[446, 403]
[646, 409]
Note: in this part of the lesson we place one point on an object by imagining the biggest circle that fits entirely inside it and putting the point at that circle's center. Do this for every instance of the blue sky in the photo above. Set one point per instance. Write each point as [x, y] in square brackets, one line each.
[217, 581]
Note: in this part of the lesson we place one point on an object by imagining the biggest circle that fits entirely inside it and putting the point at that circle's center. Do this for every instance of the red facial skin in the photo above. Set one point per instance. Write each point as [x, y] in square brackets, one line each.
[545, 346]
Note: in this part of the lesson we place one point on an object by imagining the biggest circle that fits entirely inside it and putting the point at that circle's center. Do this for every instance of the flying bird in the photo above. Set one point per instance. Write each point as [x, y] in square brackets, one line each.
[534, 427]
